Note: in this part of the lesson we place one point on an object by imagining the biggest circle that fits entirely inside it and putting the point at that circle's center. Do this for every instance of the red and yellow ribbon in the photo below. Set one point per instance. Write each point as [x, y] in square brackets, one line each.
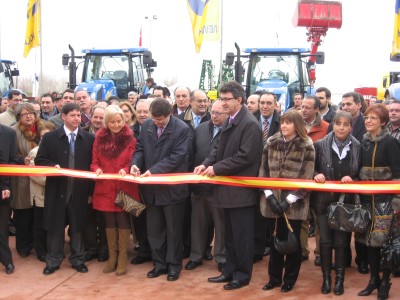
[362, 187]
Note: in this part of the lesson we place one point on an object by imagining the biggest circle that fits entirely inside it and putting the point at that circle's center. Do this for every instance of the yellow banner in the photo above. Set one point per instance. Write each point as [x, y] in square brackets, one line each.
[367, 187]
[32, 36]
[211, 29]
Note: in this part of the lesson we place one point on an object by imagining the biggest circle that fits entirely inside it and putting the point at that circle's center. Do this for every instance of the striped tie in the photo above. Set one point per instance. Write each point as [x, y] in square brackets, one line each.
[265, 130]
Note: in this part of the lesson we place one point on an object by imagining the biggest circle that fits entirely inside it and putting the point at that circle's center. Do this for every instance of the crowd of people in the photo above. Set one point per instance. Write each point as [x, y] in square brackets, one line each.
[231, 136]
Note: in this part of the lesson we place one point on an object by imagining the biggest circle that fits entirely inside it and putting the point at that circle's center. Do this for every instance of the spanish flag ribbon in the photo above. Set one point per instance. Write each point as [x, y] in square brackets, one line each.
[362, 187]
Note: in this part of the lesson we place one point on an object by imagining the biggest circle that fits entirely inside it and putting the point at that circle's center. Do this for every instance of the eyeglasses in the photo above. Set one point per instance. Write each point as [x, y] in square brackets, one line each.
[226, 99]
[217, 113]
[27, 114]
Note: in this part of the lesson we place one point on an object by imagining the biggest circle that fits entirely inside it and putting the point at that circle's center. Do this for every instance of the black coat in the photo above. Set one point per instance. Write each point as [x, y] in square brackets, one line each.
[187, 117]
[323, 164]
[237, 153]
[53, 150]
[169, 154]
[205, 142]
[8, 148]
[275, 123]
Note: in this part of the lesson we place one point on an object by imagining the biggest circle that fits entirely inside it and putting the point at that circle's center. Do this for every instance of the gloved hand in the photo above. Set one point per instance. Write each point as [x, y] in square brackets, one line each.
[274, 204]
[290, 199]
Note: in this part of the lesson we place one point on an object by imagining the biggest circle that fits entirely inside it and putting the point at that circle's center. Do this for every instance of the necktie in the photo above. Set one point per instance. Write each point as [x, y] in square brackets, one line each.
[265, 130]
[159, 131]
[196, 121]
[72, 143]
[216, 130]
[230, 120]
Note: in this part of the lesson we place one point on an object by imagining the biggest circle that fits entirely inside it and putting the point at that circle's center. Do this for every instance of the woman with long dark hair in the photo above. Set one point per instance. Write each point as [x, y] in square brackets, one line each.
[337, 158]
[287, 154]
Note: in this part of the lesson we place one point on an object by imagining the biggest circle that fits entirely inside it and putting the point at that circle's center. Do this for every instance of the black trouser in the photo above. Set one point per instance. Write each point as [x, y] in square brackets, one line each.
[260, 233]
[39, 234]
[165, 234]
[94, 235]
[140, 227]
[278, 261]
[329, 237]
[23, 219]
[239, 242]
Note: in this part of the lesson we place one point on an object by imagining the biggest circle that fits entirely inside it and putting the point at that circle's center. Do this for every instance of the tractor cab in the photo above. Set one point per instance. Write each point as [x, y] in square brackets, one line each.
[112, 72]
[6, 76]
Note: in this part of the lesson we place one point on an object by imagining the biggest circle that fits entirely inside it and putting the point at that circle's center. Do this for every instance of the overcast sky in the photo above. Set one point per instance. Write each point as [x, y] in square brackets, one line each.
[355, 55]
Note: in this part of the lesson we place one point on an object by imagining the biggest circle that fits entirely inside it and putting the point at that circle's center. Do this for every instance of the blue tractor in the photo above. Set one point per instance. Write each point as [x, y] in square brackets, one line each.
[8, 70]
[110, 72]
[282, 71]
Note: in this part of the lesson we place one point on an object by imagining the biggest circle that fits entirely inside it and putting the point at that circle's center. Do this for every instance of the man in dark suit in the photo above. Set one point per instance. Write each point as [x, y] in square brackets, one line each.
[66, 197]
[269, 122]
[203, 213]
[5, 252]
[238, 153]
[8, 147]
[162, 147]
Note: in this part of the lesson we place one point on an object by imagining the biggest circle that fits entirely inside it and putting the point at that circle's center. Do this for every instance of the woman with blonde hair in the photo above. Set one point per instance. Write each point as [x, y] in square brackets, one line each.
[112, 152]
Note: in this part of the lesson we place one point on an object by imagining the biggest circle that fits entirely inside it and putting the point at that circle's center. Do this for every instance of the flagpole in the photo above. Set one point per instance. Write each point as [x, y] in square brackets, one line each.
[221, 29]
[41, 45]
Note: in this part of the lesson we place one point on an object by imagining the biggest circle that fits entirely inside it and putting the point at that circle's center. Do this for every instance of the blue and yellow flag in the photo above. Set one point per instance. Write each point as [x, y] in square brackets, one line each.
[396, 33]
[32, 37]
[204, 15]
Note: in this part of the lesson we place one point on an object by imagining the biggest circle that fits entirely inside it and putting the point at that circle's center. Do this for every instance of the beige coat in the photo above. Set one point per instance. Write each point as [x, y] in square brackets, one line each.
[37, 183]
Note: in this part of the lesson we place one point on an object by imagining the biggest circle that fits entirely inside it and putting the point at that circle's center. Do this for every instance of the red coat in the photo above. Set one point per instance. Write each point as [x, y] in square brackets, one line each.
[111, 154]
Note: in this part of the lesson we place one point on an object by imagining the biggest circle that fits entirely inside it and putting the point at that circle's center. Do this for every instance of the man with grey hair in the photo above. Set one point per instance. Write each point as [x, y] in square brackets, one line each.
[132, 98]
[182, 96]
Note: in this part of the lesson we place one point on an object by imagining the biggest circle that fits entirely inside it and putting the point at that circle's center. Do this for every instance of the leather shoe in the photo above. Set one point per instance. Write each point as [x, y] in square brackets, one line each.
[235, 284]
[221, 266]
[138, 260]
[257, 258]
[219, 279]
[286, 287]
[191, 265]
[270, 285]
[267, 251]
[102, 257]
[317, 261]
[24, 254]
[81, 268]
[173, 275]
[50, 270]
[10, 268]
[90, 256]
[363, 267]
[156, 272]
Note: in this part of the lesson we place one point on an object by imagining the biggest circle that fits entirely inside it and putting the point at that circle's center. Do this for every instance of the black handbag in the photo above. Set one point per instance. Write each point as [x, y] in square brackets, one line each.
[129, 204]
[290, 245]
[349, 217]
[390, 251]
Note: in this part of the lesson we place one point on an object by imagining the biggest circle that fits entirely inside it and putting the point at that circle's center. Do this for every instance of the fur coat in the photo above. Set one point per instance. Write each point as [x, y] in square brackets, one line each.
[111, 153]
[380, 161]
[293, 159]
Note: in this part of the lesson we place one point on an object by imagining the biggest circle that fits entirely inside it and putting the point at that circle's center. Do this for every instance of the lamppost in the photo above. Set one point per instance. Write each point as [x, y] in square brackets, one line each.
[150, 19]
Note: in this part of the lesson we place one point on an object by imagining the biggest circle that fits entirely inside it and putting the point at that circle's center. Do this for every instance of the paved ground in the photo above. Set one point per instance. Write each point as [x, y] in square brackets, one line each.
[28, 282]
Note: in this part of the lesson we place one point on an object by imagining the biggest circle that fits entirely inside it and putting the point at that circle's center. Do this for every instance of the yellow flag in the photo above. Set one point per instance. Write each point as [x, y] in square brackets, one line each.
[204, 15]
[211, 29]
[32, 37]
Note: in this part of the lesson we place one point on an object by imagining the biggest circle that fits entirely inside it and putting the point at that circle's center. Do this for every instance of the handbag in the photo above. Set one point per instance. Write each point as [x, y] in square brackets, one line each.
[290, 245]
[349, 217]
[390, 251]
[129, 204]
